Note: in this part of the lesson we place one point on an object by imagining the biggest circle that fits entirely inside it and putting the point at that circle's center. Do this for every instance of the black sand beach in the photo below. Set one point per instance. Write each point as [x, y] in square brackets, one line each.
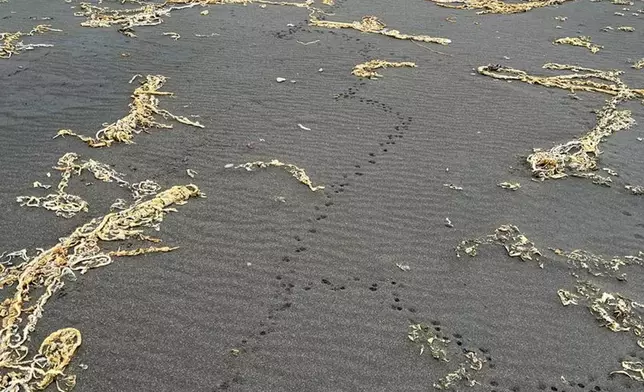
[304, 285]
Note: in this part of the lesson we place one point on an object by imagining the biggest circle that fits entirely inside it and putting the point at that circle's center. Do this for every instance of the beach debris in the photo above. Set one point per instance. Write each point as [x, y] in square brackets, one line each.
[144, 107]
[38, 184]
[281, 199]
[173, 35]
[626, 28]
[497, 6]
[368, 69]
[639, 64]
[513, 186]
[619, 13]
[454, 187]
[372, 24]
[426, 339]
[204, 12]
[303, 127]
[119, 204]
[143, 189]
[597, 265]
[308, 43]
[280, 80]
[510, 237]
[583, 41]
[448, 223]
[191, 173]
[610, 171]
[613, 311]
[607, 28]
[561, 18]
[12, 42]
[206, 35]
[36, 280]
[632, 369]
[635, 189]
[567, 298]
[403, 267]
[577, 157]
[149, 14]
[262, 3]
[295, 171]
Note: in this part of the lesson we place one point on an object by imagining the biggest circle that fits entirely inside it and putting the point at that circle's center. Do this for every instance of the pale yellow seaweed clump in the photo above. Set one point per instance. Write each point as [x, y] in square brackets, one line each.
[639, 64]
[144, 107]
[372, 24]
[368, 69]
[306, 4]
[12, 44]
[497, 6]
[510, 237]
[577, 157]
[295, 171]
[36, 279]
[583, 41]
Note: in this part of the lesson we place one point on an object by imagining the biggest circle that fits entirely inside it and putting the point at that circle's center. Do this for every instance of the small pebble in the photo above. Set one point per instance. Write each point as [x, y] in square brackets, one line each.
[280, 80]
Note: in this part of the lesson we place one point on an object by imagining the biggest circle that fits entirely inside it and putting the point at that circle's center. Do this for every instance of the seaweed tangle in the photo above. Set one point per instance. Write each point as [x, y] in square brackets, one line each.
[372, 24]
[306, 4]
[144, 107]
[497, 6]
[516, 244]
[368, 69]
[577, 157]
[67, 205]
[582, 41]
[36, 279]
[639, 64]
[12, 43]
[295, 171]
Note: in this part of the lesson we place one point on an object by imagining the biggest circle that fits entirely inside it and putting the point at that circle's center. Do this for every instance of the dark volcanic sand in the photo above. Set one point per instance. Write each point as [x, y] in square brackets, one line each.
[309, 289]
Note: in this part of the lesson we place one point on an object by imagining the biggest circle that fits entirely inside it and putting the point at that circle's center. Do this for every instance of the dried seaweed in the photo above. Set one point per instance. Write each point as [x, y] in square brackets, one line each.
[38, 278]
[67, 205]
[583, 41]
[368, 69]
[513, 186]
[612, 310]
[295, 171]
[579, 156]
[510, 237]
[497, 6]
[372, 24]
[143, 109]
[635, 189]
[597, 265]
[632, 369]
[464, 373]
[639, 64]
[425, 338]
[12, 42]
[628, 29]
[306, 4]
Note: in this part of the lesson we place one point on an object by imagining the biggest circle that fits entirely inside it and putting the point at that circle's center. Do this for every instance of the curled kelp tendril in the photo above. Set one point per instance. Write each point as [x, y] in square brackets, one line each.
[295, 171]
[583, 41]
[632, 369]
[368, 69]
[143, 109]
[497, 6]
[12, 44]
[577, 157]
[510, 237]
[44, 274]
[372, 24]
[639, 64]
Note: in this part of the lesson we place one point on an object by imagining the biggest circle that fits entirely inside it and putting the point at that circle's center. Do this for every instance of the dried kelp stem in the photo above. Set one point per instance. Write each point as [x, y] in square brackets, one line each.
[582, 41]
[510, 237]
[368, 69]
[295, 171]
[496, 6]
[37, 279]
[577, 157]
[12, 44]
[464, 373]
[144, 107]
[372, 24]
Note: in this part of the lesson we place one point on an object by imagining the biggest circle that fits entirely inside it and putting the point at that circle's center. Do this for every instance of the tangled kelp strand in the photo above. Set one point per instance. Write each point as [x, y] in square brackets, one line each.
[597, 265]
[426, 339]
[38, 278]
[143, 109]
[635, 189]
[295, 171]
[513, 186]
[632, 369]
[579, 156]
[497, 6]
[12, 44]
[583, 41]
[510, 237]
[639, 64]
[628, 29]
[368, 69]
[372, 24]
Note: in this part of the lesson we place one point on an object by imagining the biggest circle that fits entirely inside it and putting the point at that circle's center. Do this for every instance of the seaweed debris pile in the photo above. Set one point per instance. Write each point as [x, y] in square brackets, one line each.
[306, 4]
[510, 237]
[577, 157]
[295, 171]
[12, 43]
[372, 24]
[424, 337]
[639, 64]
[368, 69]
[67, 205]
[583, 41]
[497, 6]
[597, 265]
[144, 107]
[36, 279]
